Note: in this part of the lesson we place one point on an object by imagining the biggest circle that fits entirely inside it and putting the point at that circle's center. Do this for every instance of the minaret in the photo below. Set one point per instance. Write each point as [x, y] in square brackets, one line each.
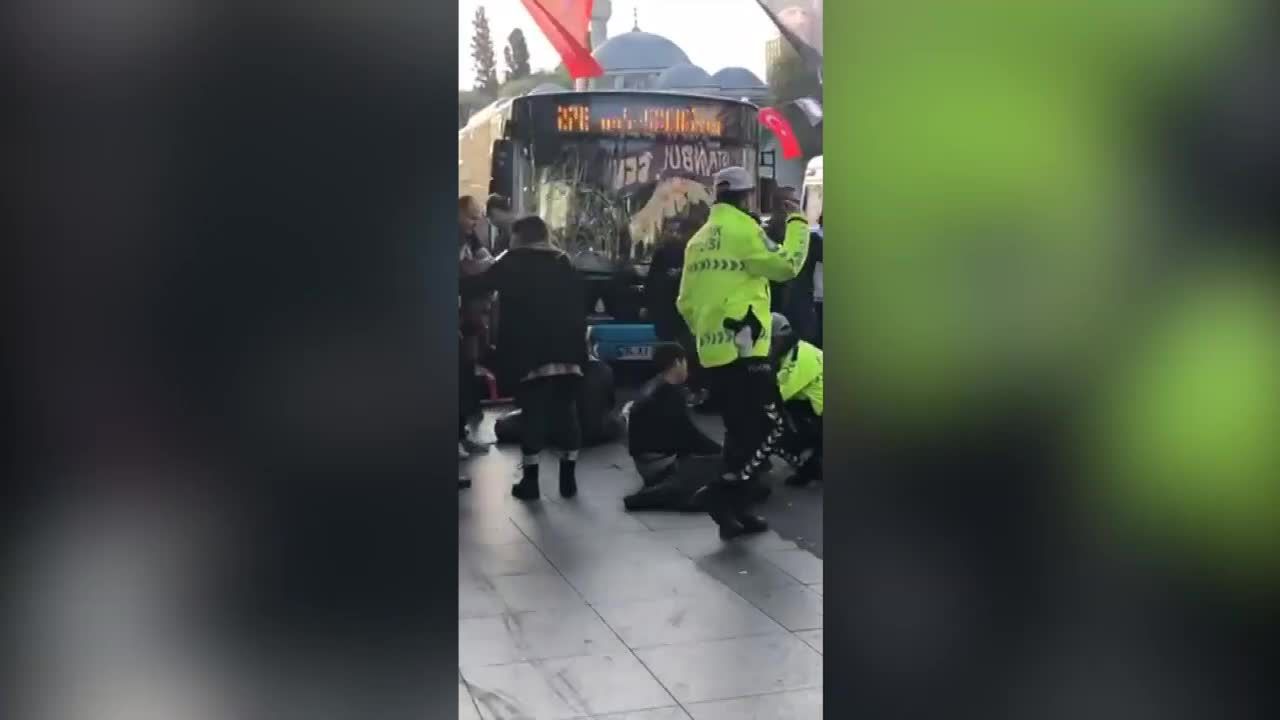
[601, 10]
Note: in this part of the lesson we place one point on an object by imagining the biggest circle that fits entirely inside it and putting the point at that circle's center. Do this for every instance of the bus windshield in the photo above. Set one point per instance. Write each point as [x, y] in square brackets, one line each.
[613, 173]
[610, 201]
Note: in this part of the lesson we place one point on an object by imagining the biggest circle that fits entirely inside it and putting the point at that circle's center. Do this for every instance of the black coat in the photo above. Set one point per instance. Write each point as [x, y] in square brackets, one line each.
[661, 286]
[541, 298]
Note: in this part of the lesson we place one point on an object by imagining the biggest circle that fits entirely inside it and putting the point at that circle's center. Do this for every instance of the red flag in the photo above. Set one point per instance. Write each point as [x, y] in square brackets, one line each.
[774, 120]
[565, 24]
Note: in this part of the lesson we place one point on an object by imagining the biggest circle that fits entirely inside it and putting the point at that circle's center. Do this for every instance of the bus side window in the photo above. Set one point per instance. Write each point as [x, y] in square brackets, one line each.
[503, 166]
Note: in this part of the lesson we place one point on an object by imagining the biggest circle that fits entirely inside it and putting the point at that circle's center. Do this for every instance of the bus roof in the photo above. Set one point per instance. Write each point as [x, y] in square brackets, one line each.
[666, 93]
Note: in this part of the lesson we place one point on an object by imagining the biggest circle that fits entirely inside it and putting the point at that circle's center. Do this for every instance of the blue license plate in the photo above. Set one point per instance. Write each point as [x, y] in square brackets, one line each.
[635, 352]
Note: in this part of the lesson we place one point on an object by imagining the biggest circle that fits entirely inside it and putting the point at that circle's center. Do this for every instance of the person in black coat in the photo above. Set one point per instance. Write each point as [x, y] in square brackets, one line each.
[661, 286]
[542, 346]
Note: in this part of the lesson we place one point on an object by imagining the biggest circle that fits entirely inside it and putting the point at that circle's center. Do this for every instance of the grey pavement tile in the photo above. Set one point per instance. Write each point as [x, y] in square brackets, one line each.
[795, 607]
[691, 618]
[466, 706]
[671, 713]
[816, 587]
[726, 669]
[655, 520]
[523, 593]
[477, 597]
[741, 569]
[564, 689]
[697, 542]
[495, 560]
[568, 553]
[489, 531]
[615, 582]
[573, 518]
[799, 705]
[799, 564]
[813, 638]
[538, 635]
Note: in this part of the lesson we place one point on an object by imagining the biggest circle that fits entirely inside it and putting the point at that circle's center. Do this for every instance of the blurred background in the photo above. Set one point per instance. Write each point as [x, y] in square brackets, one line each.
[1055, 346]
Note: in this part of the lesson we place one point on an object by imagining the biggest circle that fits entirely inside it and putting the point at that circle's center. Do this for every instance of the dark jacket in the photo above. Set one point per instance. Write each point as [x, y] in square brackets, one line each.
[660, 423]
[661, 287]
[798, 303]
[544, 321]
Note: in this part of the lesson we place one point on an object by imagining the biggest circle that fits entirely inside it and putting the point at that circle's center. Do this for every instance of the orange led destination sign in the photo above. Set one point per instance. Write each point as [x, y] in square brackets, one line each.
[638, 119]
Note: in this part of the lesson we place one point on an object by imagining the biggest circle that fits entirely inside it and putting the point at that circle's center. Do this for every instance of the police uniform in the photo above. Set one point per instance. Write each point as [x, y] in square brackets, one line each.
[725, 299]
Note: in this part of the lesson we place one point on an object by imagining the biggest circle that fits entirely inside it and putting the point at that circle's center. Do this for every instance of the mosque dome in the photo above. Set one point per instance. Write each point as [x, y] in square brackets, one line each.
[684, 77]
[737, 78]
[638, 50]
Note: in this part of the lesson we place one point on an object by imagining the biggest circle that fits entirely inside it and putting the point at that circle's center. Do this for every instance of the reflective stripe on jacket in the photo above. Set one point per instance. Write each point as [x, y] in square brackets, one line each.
[724, 288]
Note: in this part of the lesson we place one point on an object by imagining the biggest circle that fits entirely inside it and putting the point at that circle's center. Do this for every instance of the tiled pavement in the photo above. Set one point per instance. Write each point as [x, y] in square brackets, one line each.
[577, 610]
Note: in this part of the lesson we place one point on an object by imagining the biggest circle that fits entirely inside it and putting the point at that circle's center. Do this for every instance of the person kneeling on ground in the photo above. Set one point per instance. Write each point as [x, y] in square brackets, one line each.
[800, 385]
[664, 442]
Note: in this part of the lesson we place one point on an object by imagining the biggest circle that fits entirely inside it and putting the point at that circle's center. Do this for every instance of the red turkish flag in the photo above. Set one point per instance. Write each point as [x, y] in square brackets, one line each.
[776, 122]
[565, 24]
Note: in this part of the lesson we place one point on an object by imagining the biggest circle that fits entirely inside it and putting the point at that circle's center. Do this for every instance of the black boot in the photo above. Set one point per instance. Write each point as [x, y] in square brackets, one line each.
[568, 478]
[527, 488]
[715, 499]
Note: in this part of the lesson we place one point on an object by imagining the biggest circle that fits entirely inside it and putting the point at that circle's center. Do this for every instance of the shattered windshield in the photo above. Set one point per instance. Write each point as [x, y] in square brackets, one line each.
[610, 201]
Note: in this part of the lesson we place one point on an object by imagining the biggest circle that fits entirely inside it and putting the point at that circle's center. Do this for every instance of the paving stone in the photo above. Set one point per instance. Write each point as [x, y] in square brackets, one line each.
[799, 705]
[726, 669]
[799, 564]
[813, 638]
[742, 569]
[686, 619]
[795, 607]
[538, 635]
[496, 560]
[466, 706]
[566, 689]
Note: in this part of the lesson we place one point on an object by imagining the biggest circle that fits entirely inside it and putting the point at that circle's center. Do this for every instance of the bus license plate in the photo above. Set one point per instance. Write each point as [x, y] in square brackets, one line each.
[635, 352]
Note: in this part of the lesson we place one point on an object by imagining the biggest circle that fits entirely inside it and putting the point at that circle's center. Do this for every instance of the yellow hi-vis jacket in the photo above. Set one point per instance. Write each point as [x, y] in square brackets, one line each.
[800, 376]
[724, 289]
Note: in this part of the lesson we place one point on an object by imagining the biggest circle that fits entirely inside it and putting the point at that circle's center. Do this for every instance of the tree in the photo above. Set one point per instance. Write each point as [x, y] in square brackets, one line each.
[482, 58]
[516, 54]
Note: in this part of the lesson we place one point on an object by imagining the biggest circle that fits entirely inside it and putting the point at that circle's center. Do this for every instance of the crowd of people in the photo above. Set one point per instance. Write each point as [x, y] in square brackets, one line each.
[736, 303]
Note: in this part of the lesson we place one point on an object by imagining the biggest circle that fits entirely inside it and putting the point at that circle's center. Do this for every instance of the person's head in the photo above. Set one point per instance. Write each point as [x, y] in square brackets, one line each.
[784, 194]
[781, 337]
[820, 220]
[529, 230]
[734, 186]
[498, 209]
[468, 214]
[672, 363]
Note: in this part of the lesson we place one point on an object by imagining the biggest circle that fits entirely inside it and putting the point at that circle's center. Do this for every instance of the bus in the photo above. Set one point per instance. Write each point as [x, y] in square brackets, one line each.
[611, 172]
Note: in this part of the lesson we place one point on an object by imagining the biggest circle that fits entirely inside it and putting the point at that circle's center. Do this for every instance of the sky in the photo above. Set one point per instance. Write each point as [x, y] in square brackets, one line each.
[714, 33]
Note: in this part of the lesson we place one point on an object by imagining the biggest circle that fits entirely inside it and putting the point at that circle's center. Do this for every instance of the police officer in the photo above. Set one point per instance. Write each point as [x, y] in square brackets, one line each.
[799, 366]
[725, 298]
